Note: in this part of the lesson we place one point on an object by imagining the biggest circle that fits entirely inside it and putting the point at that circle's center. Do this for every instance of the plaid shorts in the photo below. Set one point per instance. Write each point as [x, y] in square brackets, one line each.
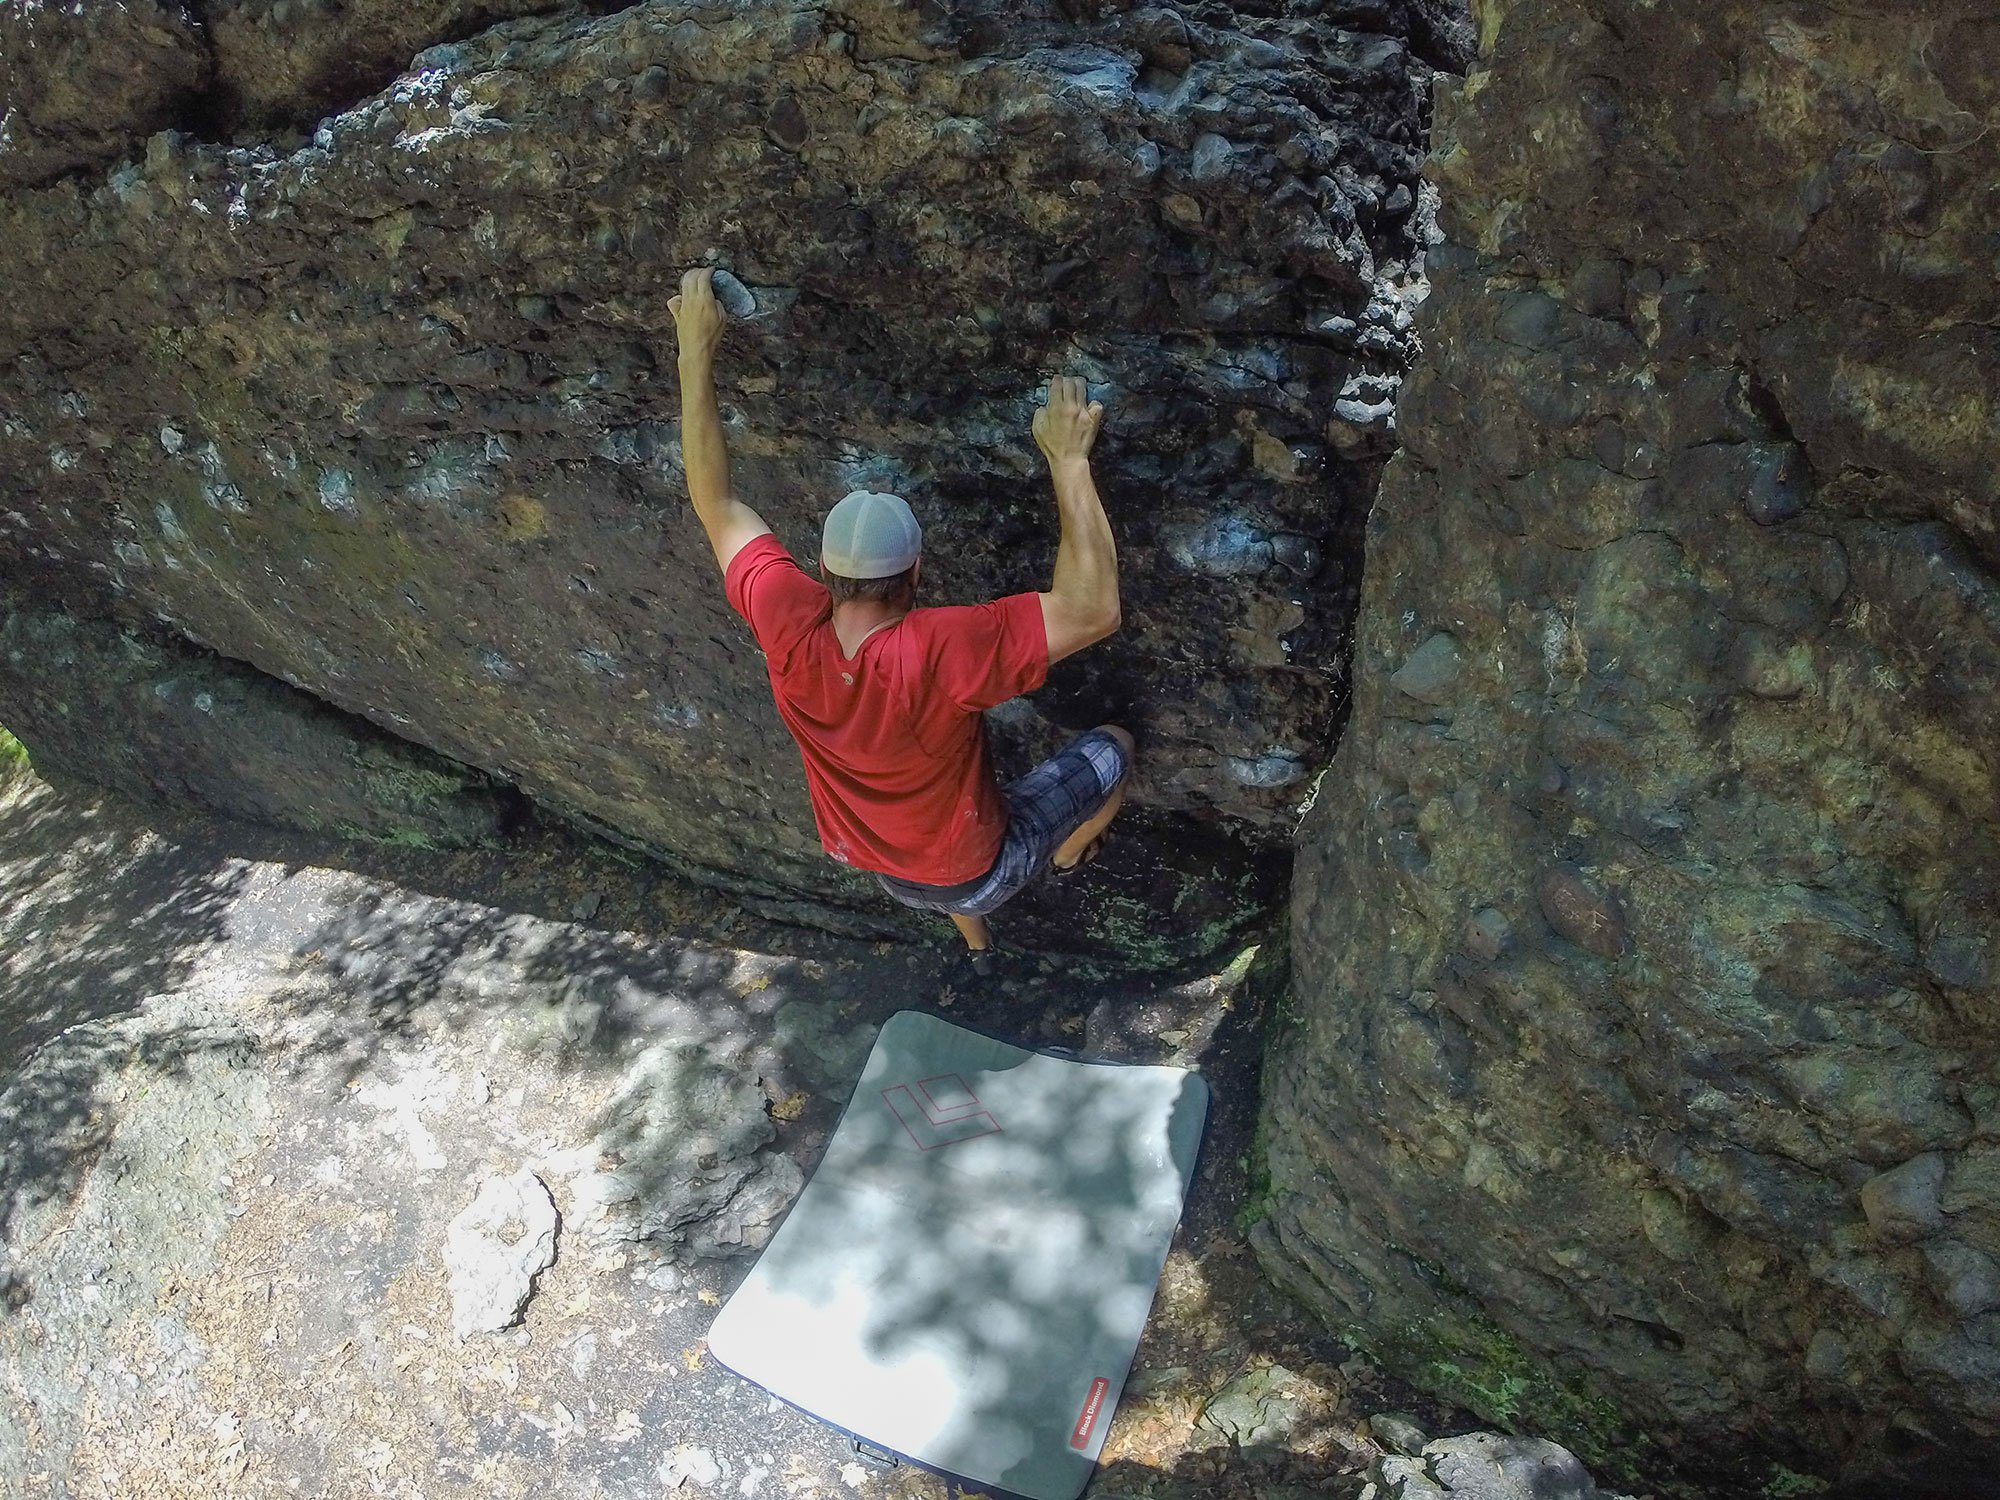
[1043, 808]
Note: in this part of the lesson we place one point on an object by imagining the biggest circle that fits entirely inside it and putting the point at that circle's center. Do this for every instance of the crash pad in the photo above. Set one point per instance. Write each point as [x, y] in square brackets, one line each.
[964, 1281]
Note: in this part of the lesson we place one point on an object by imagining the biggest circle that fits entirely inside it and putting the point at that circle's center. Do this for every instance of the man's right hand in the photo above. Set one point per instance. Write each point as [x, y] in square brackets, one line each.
[698, 317]
[1067, 425]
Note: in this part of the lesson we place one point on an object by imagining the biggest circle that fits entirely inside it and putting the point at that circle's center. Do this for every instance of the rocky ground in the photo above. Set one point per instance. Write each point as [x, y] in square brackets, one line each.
[245, 1087]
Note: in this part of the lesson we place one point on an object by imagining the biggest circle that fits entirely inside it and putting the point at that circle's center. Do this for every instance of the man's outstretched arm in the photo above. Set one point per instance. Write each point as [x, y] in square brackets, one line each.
[1081, 605]
[698, 322]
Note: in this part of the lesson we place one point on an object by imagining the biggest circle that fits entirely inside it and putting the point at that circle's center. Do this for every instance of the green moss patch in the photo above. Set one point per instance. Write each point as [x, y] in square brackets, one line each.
[1470, 1361]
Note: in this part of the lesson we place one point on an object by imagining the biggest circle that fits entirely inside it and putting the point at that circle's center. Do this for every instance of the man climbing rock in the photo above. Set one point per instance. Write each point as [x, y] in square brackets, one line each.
[885, 699]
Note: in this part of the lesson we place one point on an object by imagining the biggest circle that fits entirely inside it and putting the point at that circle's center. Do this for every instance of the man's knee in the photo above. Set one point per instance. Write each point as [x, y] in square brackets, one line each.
[1125, 741]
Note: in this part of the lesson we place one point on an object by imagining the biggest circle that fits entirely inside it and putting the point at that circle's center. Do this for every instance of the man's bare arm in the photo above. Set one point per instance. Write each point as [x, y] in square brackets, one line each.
[1081, 605]
[698, 322]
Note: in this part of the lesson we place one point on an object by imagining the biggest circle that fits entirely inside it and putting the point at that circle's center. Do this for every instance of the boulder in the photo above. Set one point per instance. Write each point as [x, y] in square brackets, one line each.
[1642, 1089]
[388, 411]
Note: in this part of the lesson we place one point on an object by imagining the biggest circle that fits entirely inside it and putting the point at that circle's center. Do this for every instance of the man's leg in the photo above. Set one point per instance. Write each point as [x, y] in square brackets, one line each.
[978, 936]
[1072, 848]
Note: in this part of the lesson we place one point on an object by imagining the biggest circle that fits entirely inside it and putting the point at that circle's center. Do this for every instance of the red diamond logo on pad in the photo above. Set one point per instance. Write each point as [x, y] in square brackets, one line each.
[940, 1111]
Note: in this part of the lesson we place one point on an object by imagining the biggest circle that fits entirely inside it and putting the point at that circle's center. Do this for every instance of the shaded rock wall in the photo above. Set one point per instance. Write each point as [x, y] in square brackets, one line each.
[1648, 921]
[78, 84]
[389, 412]
[159, 722]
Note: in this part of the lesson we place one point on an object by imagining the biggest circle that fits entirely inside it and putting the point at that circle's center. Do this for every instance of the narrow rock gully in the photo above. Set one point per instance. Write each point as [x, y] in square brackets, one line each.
[248, 1079]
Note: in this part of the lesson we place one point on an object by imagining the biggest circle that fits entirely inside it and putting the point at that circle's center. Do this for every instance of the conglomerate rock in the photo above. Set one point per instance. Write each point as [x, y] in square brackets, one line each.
[390, 413]
[1648, 922]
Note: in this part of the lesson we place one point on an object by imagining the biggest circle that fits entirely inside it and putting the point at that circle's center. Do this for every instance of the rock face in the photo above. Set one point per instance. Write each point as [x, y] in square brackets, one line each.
[388, 412]
[1648, 923]
[79, 83]
[195, 729]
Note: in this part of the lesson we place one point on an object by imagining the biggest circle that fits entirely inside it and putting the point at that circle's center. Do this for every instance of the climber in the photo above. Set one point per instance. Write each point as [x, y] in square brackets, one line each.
[885, 699]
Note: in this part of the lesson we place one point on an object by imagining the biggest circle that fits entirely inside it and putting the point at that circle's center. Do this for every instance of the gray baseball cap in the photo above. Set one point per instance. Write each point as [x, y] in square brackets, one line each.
[870, 535]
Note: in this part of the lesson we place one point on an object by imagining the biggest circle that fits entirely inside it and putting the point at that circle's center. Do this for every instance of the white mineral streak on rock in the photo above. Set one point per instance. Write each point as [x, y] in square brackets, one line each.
[496, 1248]
[336, 491]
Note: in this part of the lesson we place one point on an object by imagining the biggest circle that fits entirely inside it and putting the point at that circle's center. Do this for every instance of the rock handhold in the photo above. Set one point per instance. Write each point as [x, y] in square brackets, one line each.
[1771, 666]
[1780, 485]
[1488, 934]
[1431, 670]
[1902, 1203]
[1227, 546]
[495, 1249]
[1210, 160]
[737, 299]
[1581, 913]
[786, 123]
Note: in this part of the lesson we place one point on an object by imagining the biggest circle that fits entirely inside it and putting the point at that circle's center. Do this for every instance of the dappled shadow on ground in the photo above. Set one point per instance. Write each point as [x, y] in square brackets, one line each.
[368, 956]
[97, 912]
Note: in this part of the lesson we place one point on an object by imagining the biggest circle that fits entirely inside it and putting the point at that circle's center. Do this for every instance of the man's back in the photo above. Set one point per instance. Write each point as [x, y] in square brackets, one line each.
[884, 700]
[893, 744]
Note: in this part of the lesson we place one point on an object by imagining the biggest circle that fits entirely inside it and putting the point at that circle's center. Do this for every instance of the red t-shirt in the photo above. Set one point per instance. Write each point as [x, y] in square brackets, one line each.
[893, 742]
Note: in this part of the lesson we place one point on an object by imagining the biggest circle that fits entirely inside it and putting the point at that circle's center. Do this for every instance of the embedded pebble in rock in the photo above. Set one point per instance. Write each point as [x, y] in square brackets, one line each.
[1902, 1204]
[494, 1250]
[736, 298]
[1579, 912]
[1432, 668]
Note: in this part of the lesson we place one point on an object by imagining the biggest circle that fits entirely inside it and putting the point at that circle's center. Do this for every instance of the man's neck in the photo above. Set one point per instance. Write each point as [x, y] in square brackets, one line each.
[854, 620]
